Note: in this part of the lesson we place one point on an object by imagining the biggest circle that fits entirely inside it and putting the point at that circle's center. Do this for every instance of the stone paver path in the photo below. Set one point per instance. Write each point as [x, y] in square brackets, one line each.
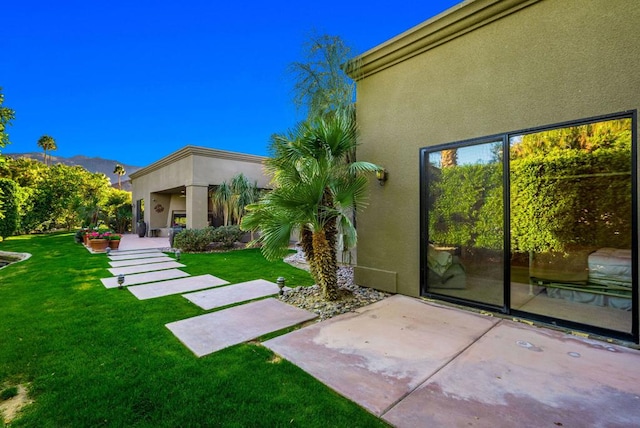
[134, 262]
[119, 257]
[142, 278]
[123, 252]
[151, 274]
[175, 286]
[236, 293]
[212, 332]
[128, 270]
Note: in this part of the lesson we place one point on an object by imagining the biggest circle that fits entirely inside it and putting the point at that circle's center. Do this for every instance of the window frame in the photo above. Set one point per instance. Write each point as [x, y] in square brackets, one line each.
[506, 309]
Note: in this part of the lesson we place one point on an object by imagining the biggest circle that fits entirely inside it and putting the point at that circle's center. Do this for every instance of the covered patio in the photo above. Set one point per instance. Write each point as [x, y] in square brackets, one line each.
[174, 191]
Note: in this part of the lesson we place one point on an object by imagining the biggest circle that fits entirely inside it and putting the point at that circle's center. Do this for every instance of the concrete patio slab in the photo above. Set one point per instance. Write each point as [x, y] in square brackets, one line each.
[142, 278]
[382, 352]
[128, 270]
[134, 262]
[145, 255]
[518, 375]
[175, 286]
[230, 294]
[131, 241]
[212, 332]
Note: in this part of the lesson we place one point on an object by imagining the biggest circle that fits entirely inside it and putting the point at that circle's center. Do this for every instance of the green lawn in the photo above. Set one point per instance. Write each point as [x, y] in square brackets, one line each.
[100, 357]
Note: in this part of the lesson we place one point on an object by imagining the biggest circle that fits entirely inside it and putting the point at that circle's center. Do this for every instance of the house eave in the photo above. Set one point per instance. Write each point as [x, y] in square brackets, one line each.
[452, 23]
[188, 151]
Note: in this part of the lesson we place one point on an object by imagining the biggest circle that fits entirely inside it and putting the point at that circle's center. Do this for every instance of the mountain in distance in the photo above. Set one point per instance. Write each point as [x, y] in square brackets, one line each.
[104, 166]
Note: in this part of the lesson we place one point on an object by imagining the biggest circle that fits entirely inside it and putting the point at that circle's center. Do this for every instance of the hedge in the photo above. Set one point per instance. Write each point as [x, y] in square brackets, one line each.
[8, 207]
[563, 199]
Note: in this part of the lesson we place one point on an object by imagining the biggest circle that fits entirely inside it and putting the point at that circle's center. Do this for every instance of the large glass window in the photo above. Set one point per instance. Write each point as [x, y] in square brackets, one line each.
[571, 223]
[547, 231]
[465, 252]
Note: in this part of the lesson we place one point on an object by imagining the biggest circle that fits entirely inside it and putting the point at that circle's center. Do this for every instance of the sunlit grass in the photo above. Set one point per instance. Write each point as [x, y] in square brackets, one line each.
[99, 357]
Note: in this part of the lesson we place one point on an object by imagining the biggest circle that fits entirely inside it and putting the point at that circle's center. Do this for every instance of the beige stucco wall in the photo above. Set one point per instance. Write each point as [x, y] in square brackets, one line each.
[548, 62]
[191, 169]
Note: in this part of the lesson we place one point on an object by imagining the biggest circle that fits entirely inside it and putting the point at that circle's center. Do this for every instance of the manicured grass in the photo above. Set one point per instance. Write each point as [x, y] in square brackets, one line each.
[100, 357]
[237, 266]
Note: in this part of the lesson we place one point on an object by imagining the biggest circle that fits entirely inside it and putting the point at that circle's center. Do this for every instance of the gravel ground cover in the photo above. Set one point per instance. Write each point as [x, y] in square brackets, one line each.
[351, 296]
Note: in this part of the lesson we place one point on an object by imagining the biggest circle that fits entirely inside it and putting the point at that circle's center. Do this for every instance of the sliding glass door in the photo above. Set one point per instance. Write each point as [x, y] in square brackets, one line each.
[572, 223]
[548, 232]
[465, 217]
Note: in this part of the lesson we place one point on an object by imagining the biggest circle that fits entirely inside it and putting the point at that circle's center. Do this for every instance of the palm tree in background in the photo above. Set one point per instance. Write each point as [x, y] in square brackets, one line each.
[321, 85]
[222, 200]
[47, 144]
[119, 169]
[243, 193]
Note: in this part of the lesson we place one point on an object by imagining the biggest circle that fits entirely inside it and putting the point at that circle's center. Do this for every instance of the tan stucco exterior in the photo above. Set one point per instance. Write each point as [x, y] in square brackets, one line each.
[180, 182]
[483, 67]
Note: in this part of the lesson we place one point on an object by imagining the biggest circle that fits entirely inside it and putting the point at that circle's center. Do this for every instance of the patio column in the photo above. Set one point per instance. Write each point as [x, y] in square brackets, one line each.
[197, 206]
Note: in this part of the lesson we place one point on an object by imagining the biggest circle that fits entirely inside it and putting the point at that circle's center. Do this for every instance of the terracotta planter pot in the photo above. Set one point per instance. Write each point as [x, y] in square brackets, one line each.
[114, 244]
[86, 239]
[99, 245]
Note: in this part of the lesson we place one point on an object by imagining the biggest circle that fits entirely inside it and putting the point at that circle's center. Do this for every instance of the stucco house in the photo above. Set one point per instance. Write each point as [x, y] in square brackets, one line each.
[498, 123]
[175, 190]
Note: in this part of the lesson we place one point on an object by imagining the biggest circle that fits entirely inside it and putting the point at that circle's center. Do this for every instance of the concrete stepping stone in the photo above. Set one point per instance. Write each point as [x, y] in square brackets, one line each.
[122, 263]
[128, 270]
[141, 278]
[212, 332]
[176, 286]
[118, 257]
[230, 294]
[122, 252]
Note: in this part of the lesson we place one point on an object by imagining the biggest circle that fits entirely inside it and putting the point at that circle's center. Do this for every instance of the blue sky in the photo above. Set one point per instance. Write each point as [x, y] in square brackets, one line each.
[134, 81]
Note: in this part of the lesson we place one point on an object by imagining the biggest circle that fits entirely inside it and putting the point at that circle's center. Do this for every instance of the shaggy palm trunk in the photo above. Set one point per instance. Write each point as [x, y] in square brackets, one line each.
[306, 241]
[331, 226]
[325, 265]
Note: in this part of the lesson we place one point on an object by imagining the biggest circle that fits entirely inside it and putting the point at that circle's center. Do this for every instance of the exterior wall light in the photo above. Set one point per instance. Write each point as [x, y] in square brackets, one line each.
[381, 176]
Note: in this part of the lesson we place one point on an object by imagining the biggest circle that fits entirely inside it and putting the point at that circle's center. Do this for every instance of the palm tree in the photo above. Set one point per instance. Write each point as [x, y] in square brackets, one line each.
[119, 169]
[243, 193]
[316, 191]
[47, 143]
[321, 84]
[222, 199]
[449, 158]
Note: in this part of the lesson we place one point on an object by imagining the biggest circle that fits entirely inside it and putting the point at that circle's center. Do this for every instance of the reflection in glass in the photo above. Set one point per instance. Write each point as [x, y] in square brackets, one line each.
[571, 224]
[465, 254]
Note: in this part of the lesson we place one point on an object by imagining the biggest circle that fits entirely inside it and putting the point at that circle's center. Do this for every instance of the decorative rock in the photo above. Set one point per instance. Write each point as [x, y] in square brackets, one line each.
[351, 296]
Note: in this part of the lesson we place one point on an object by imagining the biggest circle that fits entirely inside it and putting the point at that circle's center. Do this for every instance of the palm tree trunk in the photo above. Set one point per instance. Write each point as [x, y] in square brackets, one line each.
[306, 242]
[326, 265]
[331, 226]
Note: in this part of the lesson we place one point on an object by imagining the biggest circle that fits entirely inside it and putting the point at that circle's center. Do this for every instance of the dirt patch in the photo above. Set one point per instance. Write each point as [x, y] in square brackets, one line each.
[10, 408]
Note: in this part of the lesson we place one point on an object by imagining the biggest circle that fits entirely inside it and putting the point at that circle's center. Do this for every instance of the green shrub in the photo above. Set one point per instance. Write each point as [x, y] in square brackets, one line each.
[558, 200]
[198, 240]
[193, 240]
[9, 208]
[226, 235]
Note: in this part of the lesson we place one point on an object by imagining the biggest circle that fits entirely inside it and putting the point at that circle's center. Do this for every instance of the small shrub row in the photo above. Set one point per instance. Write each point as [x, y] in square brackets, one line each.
[198, 240]
[226, 235]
